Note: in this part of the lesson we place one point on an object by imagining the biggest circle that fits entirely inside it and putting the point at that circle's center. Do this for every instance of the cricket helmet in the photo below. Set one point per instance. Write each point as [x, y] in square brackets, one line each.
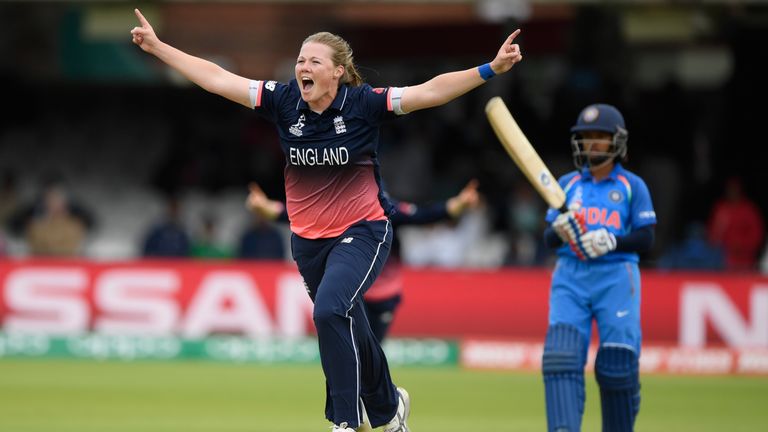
[598, 118]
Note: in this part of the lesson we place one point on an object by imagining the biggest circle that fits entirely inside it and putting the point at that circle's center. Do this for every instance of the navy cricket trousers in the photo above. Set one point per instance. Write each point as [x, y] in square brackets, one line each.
[337, 271]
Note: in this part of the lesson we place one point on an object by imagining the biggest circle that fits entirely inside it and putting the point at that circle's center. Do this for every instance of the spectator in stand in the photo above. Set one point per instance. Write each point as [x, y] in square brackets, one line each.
[262, 239]
[53, 187]
[54, 223]
[693, 253]
[736, 226]
[54, 230]
[168, 237]
[205, 245]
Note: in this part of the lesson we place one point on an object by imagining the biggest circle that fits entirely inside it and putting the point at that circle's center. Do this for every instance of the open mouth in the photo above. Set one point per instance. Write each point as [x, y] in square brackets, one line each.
[307, 84]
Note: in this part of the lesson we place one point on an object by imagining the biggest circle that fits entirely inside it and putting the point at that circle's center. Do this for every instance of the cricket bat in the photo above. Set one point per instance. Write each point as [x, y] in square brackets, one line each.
[522, 152]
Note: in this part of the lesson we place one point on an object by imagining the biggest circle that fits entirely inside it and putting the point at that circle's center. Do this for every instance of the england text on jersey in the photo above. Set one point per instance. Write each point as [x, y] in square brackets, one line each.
[318, 156]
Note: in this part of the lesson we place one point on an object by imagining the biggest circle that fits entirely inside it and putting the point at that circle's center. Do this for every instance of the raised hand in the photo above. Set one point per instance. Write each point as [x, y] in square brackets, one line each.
[258, 203]
[508, 54]
[467, 198]
[144, 36]
[598, 242]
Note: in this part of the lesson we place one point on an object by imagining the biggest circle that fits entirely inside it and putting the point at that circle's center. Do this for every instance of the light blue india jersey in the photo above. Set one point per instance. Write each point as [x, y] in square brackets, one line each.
[619, 203]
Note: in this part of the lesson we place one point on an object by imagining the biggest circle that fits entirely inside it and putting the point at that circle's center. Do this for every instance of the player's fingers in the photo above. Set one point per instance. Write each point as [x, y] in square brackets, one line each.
[255, 188]
[142, 20]
[512, 37]
[472, 184]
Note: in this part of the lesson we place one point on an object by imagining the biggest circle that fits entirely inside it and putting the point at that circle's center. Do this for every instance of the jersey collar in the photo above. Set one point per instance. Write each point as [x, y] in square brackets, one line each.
[338, 101]
[586, 174]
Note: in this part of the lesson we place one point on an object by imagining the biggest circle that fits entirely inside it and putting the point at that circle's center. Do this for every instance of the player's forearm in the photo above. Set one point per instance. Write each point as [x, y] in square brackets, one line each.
[441, 89]
[200, 71]
[422, 215]
[206, 74]
[551, 239]
[640, 240]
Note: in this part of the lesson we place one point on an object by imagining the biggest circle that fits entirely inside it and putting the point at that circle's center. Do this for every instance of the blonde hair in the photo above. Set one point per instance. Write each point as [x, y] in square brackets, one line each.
[342, 55]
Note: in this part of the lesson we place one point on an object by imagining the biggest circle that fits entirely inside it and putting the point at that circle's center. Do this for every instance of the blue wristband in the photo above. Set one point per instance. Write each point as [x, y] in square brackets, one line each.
[486, 72]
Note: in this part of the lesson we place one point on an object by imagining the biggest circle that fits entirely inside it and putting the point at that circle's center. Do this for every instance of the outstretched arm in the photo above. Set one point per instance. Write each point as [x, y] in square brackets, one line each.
[409, 214]
[204, 73]
[448, 86]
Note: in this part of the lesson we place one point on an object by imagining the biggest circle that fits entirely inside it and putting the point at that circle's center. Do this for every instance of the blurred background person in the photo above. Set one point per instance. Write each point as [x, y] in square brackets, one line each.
[54, 230]
[205, 243]
[694, 252]
[736, 226]
[54, 222]
[168, 237]
[262, 238]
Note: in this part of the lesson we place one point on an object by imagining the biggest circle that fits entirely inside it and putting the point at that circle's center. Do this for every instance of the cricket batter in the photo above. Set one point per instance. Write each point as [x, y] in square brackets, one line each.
[611, 219]
[328, 122]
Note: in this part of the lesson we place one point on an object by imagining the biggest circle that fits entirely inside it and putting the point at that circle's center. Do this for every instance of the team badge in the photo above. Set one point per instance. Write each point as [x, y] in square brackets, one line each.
[338, 123]
[590, 114]
[615, 196]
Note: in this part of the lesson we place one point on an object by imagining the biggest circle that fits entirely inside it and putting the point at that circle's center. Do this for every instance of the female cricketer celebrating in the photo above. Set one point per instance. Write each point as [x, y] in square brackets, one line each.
[328, 122]
[611, 219]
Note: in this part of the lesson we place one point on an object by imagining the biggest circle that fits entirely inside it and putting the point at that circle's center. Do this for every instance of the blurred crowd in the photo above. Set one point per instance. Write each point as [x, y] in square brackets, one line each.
[54, 223]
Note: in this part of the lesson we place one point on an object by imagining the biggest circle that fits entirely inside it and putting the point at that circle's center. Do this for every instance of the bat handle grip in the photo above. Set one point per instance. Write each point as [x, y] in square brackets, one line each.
[563, 208]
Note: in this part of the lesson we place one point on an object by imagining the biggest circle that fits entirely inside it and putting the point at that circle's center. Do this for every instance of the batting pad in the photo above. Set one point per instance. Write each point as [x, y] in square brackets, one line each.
[617, 374]
[563, 369]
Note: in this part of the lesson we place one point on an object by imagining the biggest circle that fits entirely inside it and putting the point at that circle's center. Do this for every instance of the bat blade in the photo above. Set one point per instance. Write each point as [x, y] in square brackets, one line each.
[522, 152]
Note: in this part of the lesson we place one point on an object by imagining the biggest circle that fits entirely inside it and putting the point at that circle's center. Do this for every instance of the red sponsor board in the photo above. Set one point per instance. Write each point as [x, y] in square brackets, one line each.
[198, 298]
[192, 299]
[691, 309]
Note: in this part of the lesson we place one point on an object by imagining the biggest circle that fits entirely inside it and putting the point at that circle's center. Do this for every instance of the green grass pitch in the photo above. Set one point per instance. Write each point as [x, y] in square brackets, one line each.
[45, 395]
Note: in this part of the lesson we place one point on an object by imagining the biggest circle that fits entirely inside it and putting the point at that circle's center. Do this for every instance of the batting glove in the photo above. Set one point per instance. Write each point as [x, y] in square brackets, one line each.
[598, 242]
[570, 226]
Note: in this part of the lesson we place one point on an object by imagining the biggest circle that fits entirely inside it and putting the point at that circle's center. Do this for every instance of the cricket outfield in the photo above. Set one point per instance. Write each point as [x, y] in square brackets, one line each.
[75, 395]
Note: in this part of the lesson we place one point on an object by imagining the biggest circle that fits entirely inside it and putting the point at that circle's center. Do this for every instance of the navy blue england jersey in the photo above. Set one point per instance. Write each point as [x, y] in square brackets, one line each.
[332, 178]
